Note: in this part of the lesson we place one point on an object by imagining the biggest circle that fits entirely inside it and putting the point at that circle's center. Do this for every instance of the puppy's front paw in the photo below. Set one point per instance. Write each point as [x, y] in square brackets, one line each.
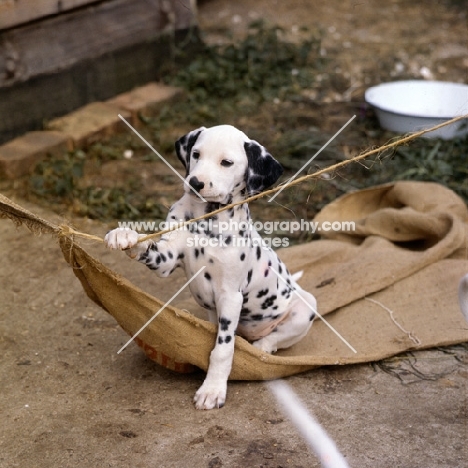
[210, 396]
[121, 238]
[125, 239]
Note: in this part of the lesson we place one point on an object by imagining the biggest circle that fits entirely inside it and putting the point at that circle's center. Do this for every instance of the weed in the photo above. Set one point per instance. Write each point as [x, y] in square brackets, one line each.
[430, 160]
[59, 182]
[261, 67]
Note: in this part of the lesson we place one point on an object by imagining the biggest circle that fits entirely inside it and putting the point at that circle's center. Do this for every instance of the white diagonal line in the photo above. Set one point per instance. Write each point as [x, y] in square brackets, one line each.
[315, 311]
[315, 435]
[312, 158]
[161, 309]
[164, 160]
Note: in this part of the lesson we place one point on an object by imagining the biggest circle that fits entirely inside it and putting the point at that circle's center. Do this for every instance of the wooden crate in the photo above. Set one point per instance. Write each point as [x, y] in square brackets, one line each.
[16, 12]
[56, 56]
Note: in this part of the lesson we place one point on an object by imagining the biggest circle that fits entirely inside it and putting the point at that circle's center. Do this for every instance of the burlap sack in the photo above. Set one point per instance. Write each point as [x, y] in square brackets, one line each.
[386, 287]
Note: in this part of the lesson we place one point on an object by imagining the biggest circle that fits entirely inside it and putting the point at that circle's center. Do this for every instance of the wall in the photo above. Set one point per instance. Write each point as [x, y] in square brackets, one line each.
[85, 51]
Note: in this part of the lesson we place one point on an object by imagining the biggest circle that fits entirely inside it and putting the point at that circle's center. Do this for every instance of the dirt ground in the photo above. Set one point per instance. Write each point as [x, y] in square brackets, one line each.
[69, 400]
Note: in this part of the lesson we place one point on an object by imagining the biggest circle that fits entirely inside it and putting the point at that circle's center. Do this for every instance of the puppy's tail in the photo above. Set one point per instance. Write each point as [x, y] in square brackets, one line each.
[297, 276]
[463, 296]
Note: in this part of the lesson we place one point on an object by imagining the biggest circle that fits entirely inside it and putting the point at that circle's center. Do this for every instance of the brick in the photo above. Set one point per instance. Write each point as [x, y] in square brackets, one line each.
[83, 127]
[146, 99]
[90, 123]
[18, 157]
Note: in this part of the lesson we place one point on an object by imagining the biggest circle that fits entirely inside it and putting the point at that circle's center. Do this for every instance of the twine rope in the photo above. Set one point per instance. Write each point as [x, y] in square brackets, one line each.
[68, 231]
[64, 230]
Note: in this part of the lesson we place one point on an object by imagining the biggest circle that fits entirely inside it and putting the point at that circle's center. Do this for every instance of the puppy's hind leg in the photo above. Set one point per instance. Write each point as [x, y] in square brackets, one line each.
[302, 313]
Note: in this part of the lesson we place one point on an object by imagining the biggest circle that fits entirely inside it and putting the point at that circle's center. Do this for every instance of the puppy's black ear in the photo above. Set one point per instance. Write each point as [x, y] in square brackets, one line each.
[184, 145]
[263, 169]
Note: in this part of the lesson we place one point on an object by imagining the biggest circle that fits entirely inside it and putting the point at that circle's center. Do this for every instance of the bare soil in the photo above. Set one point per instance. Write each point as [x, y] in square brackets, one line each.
[68, 400]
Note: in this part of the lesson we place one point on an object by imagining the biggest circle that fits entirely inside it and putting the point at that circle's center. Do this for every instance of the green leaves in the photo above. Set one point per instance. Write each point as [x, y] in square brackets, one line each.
[60, 182]
[263, 65]
[442, 161]
[57, 178]
[115, 203]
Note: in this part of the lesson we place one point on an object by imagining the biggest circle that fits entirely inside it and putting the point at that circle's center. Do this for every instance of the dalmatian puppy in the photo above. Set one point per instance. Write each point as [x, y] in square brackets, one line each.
[245, 287]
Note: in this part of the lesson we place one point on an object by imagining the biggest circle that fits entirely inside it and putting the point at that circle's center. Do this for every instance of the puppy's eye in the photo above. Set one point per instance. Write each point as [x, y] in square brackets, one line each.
[195, 155]
[226, 163]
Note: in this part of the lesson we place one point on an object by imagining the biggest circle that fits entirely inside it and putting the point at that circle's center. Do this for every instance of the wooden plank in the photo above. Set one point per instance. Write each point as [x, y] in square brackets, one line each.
[29, 105]
[16, 12]
[59, 42]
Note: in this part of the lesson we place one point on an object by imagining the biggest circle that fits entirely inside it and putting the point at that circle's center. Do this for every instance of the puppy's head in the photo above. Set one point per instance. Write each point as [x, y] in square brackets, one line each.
[222, 162]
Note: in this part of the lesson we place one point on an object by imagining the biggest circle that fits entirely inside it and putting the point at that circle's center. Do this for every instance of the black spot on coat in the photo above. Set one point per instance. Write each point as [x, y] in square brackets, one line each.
[224, 323]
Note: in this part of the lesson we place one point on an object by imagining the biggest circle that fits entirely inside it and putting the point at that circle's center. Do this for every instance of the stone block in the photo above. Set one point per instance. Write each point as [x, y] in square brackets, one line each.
[90, 123]
[146, 99]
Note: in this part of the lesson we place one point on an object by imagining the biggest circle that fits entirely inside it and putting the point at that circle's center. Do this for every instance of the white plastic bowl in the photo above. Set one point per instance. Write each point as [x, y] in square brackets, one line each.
[411, 106]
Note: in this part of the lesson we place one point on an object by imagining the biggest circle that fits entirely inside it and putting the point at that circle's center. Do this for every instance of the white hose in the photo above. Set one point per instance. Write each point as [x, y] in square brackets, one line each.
[310, 429]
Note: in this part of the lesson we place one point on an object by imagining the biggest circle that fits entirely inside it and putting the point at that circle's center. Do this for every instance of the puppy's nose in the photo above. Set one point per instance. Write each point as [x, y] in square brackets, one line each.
[196, 184]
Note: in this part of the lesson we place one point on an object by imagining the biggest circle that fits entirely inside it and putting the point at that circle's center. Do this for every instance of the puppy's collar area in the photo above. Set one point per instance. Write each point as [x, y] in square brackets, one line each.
[216, 205]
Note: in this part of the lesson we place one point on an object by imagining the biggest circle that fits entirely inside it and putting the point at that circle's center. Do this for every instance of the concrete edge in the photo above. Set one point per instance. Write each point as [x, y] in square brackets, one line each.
[82, 127]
